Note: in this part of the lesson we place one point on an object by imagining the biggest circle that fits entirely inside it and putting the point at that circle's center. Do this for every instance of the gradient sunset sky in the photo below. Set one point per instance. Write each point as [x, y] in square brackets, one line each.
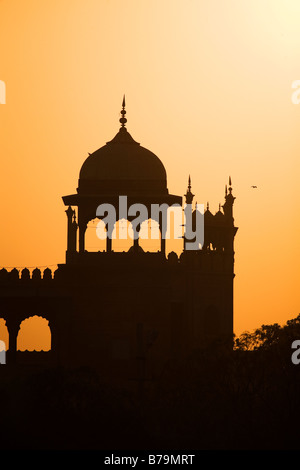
[208, 88]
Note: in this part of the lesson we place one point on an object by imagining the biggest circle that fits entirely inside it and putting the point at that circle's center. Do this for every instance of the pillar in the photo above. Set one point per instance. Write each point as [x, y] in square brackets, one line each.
[82, 229]
[108, 239]
[163, 230]
[136, 238]
[13, 327]
[72, 230]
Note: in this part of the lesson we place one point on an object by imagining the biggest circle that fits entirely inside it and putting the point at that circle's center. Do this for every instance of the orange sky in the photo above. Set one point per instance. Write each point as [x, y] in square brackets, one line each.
[208, 88]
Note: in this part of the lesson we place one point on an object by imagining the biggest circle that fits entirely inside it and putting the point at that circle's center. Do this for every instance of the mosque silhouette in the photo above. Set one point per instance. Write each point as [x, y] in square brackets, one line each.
[126, 313]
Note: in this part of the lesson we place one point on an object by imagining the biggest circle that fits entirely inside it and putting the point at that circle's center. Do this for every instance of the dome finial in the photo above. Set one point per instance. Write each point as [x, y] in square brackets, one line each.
[123, 119]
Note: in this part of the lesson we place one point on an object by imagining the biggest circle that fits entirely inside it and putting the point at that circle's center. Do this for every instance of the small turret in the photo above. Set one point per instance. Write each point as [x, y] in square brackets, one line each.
[189, 196]
[229, 201]
[72, 229]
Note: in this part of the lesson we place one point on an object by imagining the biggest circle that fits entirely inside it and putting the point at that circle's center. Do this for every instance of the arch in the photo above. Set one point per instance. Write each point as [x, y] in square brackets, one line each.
[34, 334]
[175, 229]
[122, 236]
[95, 236]
[4, 336]
[149, 239]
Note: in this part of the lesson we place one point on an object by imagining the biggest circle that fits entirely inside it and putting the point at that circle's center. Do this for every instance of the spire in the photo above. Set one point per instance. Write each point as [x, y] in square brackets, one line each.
[123, 119]
[123, 135]
[228, 192]
[189, 196]
[229, 200]
[230, 187]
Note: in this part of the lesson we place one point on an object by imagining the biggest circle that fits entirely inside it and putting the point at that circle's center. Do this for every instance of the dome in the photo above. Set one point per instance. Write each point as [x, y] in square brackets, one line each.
[122, 166]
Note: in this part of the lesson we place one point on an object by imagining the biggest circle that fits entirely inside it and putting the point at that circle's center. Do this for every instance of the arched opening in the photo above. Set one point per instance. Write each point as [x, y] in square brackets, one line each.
[34, 335]
[175, 229]
[122, 236]
[4, 336]
[95, 236]
[149, 239]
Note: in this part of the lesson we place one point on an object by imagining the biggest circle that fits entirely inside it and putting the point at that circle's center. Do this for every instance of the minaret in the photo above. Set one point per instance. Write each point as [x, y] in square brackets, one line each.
[188, 211]
[229, 200]
[72, 230]
[189, 196]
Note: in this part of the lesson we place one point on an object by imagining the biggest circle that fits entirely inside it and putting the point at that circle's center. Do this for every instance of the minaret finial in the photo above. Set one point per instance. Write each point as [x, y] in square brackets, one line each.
[230, 188]
[229, 200]
[189, 196]
[123, 119]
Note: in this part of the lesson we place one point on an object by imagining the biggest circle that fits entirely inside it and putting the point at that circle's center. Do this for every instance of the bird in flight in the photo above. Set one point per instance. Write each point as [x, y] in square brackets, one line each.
[253, 186]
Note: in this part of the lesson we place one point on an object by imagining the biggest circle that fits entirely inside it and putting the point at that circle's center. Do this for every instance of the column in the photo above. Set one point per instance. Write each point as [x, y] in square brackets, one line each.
[69, 213]
[13, 327]
[82, 229]
[72, 230]
[136, 238]
[163, 230]
[108, 239]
